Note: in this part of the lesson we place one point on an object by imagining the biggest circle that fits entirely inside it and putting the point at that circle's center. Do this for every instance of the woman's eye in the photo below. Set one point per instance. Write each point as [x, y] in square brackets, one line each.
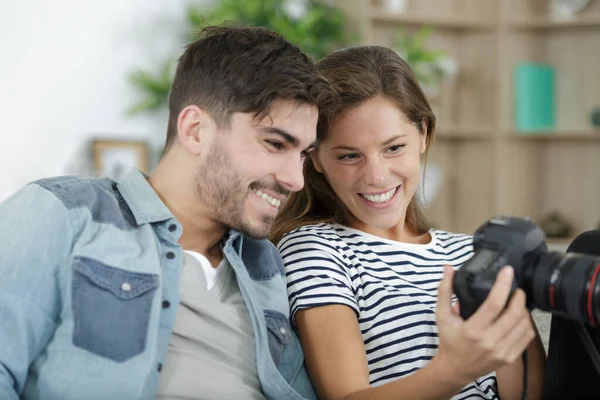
[276, 145]
[348, 157]
[396, 148]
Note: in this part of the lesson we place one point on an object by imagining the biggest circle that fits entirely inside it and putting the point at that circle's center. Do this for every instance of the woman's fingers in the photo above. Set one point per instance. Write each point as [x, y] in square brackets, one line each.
[444, 299]
[517, 340]
[495, 302]
[515, 313]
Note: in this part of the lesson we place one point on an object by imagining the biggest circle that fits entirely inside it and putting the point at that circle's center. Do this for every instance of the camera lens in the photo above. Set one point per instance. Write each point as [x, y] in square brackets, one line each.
[565, 284]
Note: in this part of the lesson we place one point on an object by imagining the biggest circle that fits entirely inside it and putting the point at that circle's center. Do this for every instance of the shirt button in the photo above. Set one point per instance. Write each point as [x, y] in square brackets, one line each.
[282, 330]
[170, 255]
[172, 228]
[159, 367]
[166, 304]
[125, 286]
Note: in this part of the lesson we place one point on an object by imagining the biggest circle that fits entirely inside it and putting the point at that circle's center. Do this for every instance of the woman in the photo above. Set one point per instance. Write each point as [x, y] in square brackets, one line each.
[370, 284]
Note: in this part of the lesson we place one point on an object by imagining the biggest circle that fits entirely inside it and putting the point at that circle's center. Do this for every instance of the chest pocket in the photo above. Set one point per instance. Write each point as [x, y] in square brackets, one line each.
[278, 327]
[111, 309]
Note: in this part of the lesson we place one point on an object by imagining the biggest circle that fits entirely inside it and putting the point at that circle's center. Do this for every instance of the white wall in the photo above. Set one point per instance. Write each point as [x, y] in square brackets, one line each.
[63, 69]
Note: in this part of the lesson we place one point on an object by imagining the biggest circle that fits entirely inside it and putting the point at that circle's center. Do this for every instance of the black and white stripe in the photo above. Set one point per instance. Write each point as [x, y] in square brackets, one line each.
[391, 286]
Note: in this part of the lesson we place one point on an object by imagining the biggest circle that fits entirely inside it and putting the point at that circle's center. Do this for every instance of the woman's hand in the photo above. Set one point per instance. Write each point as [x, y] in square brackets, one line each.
[494, 336]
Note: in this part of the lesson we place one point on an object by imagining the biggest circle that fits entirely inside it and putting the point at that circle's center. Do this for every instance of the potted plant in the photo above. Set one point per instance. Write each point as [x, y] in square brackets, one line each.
[430, 66]
[315, 27]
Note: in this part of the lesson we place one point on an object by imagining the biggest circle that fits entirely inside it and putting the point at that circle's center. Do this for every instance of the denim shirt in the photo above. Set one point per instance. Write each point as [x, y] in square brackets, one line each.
[89, 287]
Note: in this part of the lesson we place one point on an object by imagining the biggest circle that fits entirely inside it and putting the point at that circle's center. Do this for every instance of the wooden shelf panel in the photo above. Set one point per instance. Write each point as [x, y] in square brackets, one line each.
[559, 244]
[379, 15]
[463, 132]
[489, 166]
[583, 21]
[591, 135]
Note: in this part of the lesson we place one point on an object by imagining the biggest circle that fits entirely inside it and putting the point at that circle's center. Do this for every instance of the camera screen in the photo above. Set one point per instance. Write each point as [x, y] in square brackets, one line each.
[482, 259]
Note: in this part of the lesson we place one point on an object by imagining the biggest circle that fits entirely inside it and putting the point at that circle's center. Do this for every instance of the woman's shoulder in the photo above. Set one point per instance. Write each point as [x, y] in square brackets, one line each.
[452, 241]
[320, 236]
[323, 231]
[447, 235]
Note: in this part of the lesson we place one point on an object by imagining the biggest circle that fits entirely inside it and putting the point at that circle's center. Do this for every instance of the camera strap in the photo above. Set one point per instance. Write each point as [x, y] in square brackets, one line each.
[589, 345]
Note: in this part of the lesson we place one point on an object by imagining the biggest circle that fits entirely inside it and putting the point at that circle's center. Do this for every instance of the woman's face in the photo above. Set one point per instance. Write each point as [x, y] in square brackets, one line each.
[372, 159]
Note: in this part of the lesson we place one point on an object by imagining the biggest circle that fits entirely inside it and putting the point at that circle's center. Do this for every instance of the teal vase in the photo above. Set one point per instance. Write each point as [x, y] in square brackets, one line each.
[534, 98]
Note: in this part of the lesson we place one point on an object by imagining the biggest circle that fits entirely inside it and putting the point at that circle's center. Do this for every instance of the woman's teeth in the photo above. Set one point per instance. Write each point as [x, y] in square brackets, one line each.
[271, 200]
[379, 198]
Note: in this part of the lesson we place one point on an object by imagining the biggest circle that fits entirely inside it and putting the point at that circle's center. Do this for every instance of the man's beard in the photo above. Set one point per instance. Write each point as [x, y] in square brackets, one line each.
[220, 189]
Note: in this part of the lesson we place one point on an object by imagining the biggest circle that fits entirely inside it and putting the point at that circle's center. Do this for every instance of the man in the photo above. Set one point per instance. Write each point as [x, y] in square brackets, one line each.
[164, 286]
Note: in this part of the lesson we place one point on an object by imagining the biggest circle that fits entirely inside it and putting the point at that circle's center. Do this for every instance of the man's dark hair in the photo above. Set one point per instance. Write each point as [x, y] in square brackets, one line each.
[233, 68]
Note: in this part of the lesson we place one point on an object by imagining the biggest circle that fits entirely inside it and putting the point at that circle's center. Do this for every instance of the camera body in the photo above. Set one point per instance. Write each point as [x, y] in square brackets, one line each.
[566, 284]
[501, 241]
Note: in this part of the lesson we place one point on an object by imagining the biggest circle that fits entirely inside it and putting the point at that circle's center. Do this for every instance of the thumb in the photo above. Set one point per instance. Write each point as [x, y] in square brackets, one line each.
[456, 308]
[444, 299]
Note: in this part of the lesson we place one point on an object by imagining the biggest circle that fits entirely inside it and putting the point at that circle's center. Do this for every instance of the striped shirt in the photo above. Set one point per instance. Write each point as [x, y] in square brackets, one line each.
[391, 286]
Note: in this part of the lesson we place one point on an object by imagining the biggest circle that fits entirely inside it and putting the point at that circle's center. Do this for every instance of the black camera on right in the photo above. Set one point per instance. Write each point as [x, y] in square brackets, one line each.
[566, 284]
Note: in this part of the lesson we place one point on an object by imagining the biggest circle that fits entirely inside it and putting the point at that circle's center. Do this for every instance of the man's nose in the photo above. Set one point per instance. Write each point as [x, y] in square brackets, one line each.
[291, 174]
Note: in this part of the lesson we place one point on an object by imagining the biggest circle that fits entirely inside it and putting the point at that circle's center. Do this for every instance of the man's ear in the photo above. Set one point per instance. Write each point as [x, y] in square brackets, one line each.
[423, 138]
[315, 160]
[194, 128]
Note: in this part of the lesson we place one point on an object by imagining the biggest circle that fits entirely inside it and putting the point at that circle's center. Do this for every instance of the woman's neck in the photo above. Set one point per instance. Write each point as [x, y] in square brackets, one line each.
[397, 233]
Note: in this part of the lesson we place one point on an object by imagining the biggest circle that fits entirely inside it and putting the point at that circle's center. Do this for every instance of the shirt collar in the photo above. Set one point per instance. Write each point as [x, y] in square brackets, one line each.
[147, 207]
[141, 198]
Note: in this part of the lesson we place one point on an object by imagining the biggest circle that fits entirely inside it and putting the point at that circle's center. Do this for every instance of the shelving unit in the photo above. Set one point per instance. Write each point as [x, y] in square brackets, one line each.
[489, 167]
[380, 15]
[590, 135]
[591, 20]
[463, 132]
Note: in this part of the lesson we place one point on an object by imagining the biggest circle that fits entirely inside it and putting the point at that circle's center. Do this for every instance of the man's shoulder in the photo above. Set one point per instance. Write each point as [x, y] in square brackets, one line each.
[96, 197]
[261, 258]
[75, 191]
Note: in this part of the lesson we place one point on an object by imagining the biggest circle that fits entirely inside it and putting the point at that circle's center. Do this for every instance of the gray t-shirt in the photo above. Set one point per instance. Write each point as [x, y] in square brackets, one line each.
[212, 352]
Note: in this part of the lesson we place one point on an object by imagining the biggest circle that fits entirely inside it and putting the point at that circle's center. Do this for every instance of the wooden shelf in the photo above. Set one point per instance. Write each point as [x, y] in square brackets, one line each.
[448, 22]
[591, 135]
[559, 244]
[494, 168]
[463, 132]
[584, 21]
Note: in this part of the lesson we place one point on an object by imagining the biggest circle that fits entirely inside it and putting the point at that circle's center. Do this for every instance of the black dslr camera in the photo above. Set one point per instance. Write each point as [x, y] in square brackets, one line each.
[565, 284]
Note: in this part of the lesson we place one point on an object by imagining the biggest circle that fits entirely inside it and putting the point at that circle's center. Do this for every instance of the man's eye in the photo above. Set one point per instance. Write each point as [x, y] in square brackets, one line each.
[275, 144]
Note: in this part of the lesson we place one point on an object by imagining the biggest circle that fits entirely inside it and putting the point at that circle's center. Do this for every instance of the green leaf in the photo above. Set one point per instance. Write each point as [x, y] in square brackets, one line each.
[320, 31]
[416, 53]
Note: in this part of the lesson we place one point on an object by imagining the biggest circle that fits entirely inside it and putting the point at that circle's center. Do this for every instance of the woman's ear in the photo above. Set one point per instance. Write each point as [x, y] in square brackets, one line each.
[423, 142]
[315, 160]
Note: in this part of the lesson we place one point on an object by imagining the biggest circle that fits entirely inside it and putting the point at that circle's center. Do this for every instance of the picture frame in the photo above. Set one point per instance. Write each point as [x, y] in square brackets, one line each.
[114, 158]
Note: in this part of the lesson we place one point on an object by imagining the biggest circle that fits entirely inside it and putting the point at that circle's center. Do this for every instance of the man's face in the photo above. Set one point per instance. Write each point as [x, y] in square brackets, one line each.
[252, 166]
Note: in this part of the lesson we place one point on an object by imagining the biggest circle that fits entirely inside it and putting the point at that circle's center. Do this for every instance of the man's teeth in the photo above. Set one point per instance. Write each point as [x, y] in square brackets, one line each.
[271, 200]
[379, 198]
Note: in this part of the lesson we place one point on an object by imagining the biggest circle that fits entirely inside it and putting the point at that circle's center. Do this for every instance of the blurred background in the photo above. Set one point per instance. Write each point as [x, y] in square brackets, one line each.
[514, 84]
